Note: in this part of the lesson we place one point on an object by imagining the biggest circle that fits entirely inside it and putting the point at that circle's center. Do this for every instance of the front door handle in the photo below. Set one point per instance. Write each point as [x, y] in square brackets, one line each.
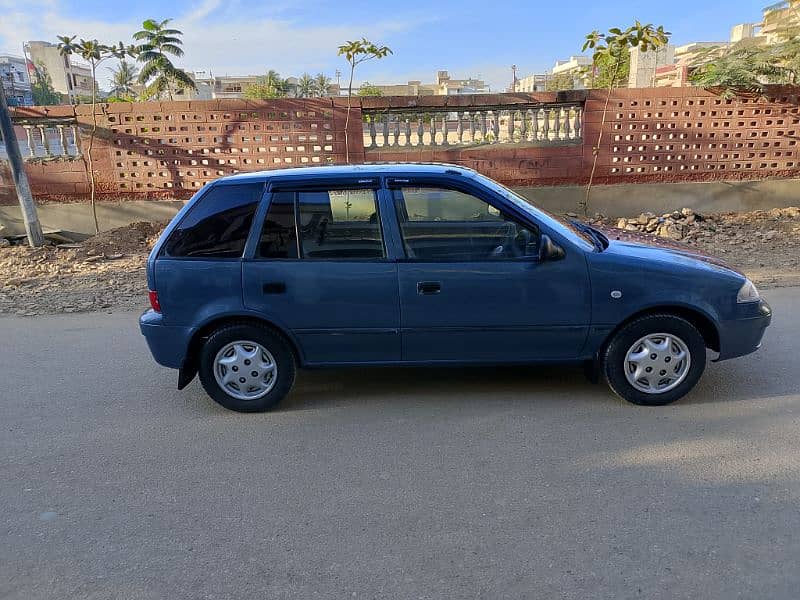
[428, 287]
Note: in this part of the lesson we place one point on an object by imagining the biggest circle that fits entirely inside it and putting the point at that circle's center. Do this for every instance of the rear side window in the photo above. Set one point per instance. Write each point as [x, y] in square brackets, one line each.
[339, 224]
[278, 235]
[218, 225]
[333, 224]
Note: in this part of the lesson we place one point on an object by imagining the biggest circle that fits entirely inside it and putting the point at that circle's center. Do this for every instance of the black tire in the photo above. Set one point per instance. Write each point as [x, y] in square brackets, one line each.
[613, 357]
[272, 341]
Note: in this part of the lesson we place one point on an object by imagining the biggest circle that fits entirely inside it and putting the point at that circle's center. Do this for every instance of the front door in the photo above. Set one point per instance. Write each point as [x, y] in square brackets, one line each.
[472, 287]
[320, 270]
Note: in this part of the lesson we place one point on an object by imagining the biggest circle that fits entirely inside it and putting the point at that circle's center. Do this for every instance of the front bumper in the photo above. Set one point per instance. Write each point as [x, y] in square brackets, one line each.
[168, 344]
[742, 336]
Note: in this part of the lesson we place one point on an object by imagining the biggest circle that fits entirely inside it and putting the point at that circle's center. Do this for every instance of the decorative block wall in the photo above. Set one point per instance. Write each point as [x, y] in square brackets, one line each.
[171, 149]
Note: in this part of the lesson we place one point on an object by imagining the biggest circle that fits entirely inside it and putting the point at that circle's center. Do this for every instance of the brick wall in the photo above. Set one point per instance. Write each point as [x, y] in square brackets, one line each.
[690, 134]
[170, 149]
[650, 135]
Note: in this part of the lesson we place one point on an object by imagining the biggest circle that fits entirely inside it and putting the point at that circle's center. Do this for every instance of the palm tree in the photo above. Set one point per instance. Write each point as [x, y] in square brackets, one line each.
[271, 85]
[274, 82]
[306, 87]
[321, 84]
[94, 53]
[158, 73]
[123, 79]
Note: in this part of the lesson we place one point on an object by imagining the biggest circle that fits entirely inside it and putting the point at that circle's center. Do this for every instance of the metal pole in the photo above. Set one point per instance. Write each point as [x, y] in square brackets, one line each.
[32, 226]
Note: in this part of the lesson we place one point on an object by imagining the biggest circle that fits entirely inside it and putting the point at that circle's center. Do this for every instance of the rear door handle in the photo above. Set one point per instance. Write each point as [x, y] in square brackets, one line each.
[428, 287]
[274, 287]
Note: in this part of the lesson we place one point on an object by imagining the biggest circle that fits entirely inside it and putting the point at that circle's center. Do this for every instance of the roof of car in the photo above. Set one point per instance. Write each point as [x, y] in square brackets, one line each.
[357, 170]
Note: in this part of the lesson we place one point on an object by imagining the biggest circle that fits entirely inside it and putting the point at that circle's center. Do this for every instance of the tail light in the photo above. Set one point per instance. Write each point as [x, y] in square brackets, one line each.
[154, 303]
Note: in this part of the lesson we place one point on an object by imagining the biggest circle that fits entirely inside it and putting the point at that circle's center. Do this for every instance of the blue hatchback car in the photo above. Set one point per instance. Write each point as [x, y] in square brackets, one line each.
[411, 264]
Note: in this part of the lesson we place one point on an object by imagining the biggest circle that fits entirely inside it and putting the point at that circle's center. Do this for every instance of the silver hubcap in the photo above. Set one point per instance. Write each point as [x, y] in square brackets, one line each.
[245, 370]
[657, 363]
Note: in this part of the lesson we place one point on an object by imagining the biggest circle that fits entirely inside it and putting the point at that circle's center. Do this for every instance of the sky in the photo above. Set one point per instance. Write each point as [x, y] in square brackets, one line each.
[467, 37]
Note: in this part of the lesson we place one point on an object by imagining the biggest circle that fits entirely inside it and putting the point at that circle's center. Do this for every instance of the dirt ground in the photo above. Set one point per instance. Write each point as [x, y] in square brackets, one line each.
[107, 271]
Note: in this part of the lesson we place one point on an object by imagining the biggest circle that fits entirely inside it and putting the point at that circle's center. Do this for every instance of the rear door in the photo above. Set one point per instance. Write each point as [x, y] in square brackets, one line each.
[320, 269]
[472, 287]
[198, 270]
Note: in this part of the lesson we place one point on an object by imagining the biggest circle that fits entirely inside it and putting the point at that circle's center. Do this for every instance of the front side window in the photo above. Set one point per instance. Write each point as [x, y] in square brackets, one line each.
[331, 224]
[218, 225]
[449, 225]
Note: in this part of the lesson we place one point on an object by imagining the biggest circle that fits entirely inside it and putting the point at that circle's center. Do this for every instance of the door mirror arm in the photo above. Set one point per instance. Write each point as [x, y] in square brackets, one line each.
[549, 250]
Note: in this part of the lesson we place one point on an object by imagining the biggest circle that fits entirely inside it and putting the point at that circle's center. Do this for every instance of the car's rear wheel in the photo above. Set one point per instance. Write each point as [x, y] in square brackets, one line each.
[655, 359]
[247, 368]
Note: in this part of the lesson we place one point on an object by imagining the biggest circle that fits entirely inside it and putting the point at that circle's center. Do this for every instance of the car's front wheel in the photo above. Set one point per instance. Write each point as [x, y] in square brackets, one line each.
[247, 368]
[655, 359]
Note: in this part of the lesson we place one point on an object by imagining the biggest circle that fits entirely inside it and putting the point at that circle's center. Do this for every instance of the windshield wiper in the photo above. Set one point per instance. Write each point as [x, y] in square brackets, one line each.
[600, 241]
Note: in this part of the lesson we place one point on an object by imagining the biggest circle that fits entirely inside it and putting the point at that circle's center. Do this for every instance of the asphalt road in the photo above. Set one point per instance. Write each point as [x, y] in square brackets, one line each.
[391, 483]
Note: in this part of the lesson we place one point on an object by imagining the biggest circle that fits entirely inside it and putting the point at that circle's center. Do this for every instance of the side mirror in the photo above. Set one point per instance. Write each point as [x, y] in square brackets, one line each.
[549, 250]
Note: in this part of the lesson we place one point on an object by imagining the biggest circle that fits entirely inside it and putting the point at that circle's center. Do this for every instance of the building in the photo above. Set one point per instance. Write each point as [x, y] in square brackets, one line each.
[69, 78]
[643, 65]
[16, 80]
[676, 73]
[576, 67]
[412, 88]
[533, 83]
[231, 86]
[446, 86]
[667, 66]
[443, 86]
[744, 31]
[579, 67]
[773, 18]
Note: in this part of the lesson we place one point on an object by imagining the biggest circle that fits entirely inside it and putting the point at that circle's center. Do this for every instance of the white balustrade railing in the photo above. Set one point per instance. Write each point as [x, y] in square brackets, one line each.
[542, 125]
[47, 140]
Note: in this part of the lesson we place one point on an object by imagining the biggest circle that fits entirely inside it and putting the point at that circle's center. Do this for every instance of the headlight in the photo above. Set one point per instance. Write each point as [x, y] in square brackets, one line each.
[747, 293]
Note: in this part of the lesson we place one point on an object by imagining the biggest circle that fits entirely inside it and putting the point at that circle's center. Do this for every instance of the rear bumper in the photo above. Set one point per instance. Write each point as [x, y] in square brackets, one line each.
[167, 343]
[743, 336]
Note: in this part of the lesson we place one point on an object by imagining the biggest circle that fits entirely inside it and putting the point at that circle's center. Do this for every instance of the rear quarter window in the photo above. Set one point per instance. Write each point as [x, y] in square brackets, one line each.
[218, 225]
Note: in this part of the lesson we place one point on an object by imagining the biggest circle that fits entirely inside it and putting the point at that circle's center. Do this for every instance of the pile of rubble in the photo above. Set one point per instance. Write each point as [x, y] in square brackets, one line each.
[686, 224]
[675, 225]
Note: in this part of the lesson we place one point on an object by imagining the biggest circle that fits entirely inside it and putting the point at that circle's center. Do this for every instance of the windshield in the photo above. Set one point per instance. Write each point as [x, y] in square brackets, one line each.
[560, 224]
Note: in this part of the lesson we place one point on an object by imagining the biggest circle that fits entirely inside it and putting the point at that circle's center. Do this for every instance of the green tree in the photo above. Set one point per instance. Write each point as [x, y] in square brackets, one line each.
[611, 68]
[749, 65]
[367, 89]
[42, 86]
[357, 52]
[743, 68]
[270, 86]
[783, 59]
[306, 87]
[94, 53]
[321, 84]
[560, 81]
[614, 47]
[158, 73]
[123, 79]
